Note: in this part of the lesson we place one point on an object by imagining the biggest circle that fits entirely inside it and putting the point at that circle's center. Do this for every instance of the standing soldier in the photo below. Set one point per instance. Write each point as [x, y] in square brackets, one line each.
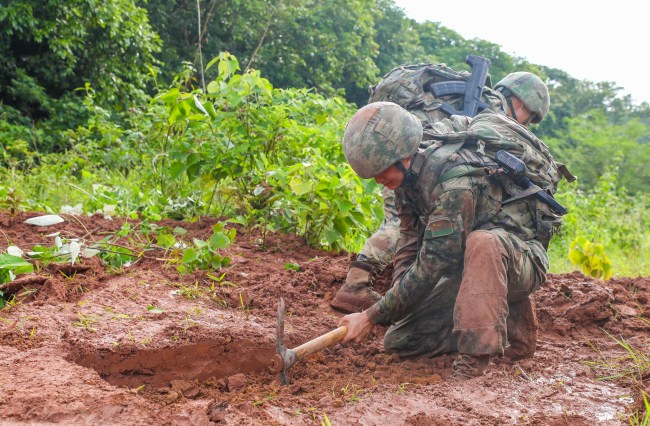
[472, 246]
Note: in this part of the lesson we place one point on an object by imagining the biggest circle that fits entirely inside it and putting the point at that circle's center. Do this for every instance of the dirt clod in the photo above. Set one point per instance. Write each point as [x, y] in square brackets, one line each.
[236, 382]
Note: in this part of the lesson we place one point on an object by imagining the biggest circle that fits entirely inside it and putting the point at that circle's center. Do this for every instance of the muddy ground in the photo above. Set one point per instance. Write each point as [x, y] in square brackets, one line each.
[145, 345]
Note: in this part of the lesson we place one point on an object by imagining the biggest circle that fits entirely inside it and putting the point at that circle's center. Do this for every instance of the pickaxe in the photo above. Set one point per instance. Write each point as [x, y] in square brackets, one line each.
[286, 358]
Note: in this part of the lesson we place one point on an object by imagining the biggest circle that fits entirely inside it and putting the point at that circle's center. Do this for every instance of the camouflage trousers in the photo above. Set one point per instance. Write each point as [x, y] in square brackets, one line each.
[468, 311]
[379, 249]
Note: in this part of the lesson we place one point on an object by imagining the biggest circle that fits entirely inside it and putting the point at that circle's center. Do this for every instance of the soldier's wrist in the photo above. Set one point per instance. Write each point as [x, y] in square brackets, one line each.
[374, 314]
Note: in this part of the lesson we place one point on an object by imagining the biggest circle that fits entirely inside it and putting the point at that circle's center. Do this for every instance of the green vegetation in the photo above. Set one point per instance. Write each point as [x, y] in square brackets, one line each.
[632, 368]
[10, 266]
[606, 222]
[124, 116]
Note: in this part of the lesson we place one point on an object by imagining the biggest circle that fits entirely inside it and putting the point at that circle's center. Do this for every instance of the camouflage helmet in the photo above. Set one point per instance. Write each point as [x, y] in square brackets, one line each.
[530, 90]
[379, 135]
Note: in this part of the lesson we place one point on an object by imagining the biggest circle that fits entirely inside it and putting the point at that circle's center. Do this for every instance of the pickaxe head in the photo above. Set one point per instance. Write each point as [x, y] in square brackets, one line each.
[284, 358]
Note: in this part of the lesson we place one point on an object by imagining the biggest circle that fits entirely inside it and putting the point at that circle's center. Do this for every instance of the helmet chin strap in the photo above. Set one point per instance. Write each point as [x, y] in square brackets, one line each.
[511, 107]
[508, 96]
[411, 174]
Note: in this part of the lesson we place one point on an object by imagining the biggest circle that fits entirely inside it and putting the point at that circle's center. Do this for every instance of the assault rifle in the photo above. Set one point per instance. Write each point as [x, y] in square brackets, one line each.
[515, 168]
[472, 89]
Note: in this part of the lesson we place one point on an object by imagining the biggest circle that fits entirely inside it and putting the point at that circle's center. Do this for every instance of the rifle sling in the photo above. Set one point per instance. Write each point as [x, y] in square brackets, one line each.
[534, 189]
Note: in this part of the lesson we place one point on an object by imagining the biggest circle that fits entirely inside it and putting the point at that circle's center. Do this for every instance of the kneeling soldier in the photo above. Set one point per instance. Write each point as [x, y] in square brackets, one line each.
[462, 261]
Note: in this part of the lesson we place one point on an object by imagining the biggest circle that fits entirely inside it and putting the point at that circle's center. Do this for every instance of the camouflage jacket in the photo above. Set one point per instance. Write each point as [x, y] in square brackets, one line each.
[437, 212]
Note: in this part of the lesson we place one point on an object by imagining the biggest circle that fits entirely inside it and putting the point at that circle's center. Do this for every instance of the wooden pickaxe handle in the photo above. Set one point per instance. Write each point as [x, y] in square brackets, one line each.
[320, 342]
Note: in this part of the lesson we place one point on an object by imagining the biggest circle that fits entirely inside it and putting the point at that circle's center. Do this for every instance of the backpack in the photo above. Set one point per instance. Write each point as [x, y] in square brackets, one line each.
[478, 141]
[408, 85]
[489, 133]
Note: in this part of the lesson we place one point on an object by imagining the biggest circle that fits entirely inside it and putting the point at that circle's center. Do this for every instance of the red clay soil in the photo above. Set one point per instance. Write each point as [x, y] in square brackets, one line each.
[82, 347]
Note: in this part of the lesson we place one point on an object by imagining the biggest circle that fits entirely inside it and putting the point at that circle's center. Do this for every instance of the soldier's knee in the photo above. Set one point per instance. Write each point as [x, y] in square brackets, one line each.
[393, 342]
[480, 240]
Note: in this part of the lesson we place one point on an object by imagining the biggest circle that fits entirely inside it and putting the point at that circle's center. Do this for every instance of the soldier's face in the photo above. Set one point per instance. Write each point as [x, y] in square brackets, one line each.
[392, 177]
[524, 116]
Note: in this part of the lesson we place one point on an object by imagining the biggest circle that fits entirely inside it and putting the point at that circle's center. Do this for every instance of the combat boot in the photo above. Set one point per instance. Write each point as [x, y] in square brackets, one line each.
[468, 366]
[355, 295]
[522, 330]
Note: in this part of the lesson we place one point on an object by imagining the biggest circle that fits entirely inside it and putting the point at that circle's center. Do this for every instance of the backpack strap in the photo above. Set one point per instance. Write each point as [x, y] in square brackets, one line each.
[460, 170]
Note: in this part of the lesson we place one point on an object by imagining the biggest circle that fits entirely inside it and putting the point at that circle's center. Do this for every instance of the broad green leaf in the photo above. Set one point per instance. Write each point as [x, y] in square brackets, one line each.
[344, 205]
[177, 169]
[212, 62]
[189, 255]
[199, 243]
[320, 118]
[179, 230]
[11, 266]
[331, 236]
[219, 241]
[213, 87]
[215, 262]
[300, 187]
[16, 264]
[165, 240]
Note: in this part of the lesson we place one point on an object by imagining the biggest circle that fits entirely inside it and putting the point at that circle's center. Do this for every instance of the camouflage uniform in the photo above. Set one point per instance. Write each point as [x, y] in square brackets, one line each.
[456, 246]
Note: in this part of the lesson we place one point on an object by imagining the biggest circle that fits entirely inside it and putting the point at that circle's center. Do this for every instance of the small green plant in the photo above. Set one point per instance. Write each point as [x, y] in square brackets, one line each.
[261, 401]
[290, 266]
[632, 369]
[10, 267]
[190, 292]
[642, 417]
[113, 255]
[86, 321]
[13, 200]
[591, 258]
[246, 309]
[155, 310]
[401, 389]
[8, 303]
[325, 421]
[205, 254]
[350, 393]
[220, 281]
[45, 254]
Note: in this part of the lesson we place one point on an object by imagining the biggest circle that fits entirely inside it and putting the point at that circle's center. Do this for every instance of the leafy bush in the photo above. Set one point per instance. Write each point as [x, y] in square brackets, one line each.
[607, 216]
[263, 157]
[591, 258]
